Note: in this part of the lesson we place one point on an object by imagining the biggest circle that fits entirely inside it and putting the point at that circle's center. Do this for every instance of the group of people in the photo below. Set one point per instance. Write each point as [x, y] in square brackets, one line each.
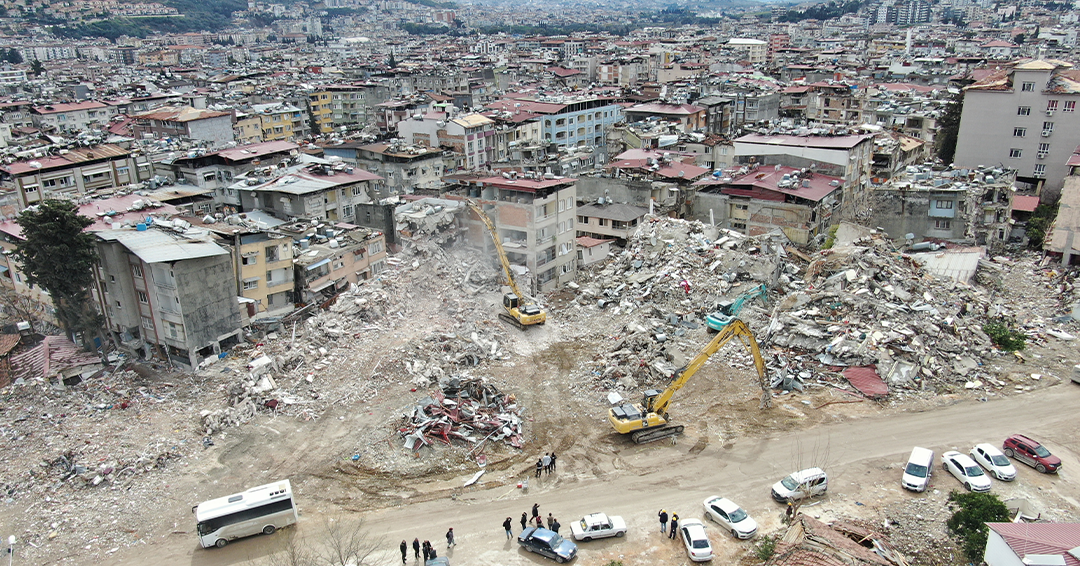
[536, 521]
[425, 547]
[664, 523]
[545, 464]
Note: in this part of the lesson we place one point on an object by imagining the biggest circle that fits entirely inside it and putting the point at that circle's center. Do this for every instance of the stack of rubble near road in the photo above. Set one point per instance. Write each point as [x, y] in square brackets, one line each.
[843, 543]
[861, 304]
[468, 410]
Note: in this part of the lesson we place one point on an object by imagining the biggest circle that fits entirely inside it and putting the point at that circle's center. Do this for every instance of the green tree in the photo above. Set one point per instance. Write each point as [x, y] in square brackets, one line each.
[58, 255]
[1039, 223]
[37, 67]
[968, 523]
[14, 57]
[949, 128]
[392, 62]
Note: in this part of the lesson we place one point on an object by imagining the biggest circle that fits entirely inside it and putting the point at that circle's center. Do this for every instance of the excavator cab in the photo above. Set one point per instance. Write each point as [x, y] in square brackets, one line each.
[650, 399]
[511, 301]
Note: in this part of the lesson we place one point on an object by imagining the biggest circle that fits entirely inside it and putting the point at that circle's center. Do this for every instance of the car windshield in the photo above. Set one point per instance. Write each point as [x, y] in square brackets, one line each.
[999, 460]
[972, 471]
[790, 483]
[556, 541]
[584, 525]
[916, 470]
[1042, 452]
[701, 543]
[737, 515]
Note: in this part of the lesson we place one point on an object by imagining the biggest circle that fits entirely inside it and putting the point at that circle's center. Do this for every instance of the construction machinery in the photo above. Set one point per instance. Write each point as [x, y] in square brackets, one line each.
[727, 311]
[520, 312]
[648, 421]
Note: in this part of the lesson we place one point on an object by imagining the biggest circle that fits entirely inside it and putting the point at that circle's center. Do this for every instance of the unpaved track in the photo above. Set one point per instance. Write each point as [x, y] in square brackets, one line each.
[860, 455]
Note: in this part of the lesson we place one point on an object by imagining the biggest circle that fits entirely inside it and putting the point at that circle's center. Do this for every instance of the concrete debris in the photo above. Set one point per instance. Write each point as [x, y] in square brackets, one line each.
[468, 410]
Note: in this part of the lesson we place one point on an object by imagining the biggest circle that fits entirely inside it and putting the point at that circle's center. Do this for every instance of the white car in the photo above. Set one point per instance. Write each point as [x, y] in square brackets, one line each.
[598, 525]
[697, 544]
[966, 470]
[989, 457]
[730, 516]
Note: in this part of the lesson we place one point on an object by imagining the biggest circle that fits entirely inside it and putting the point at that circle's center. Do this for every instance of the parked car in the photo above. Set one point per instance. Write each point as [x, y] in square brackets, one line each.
[547, 543]
[438, 561]
[597, 525]
[730, 516]
[919, 468]
[803, 483]
[696, 541]
[1031, 453]
[966, 470]
[994, 461]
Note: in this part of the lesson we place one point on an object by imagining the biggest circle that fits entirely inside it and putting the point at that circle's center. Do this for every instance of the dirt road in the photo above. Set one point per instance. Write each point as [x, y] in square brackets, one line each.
[861, 456]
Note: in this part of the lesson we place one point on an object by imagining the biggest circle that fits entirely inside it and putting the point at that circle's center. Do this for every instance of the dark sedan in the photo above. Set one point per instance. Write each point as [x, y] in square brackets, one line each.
[547, 543]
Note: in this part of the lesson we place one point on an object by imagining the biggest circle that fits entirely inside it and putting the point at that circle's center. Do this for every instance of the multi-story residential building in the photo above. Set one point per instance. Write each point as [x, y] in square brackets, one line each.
[263, 265]
[17, 114]
[535, 221]
[72, 117]
[281, 121]
[404, 167]
[686, 117]
[1025, 118]
[730, 109]
[76, 172]
[334, 255]
[320, 192]
[248, 128]
[333, 106]
[757, 200]
[216, 170]
[185, 122]
[1063, 236]
[568, 121]
[847, 157]
[609, 221]
[167, 291]
[755, 51]
[470, 136]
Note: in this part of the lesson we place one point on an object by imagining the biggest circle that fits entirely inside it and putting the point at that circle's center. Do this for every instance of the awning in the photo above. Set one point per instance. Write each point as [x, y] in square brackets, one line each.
[317, 264]
[251, 279]
[322, 286]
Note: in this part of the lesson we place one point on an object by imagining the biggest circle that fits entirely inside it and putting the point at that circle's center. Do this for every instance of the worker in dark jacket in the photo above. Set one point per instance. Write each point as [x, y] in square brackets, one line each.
[674, 525]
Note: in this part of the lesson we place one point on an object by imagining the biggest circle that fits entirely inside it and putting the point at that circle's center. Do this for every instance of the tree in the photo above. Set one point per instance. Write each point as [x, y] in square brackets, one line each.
[968, 523]
[341, 543]
[1039, 223]
[36, 68]
[58, 255]
[949, 128]
[13, 56]
[393, 61]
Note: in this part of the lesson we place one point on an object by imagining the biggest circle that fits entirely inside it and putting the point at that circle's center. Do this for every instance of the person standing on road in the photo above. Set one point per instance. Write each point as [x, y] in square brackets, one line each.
[427, 551]
[555, 526]
[539, 466]
[508, 524]
[536, 510]
[663, 521]
[524, 521]
[450, 538]
[674, 525]
[550, 520]
[539, 522]
[553, 461]
[404, 552]
[546, 460]
[416, 547]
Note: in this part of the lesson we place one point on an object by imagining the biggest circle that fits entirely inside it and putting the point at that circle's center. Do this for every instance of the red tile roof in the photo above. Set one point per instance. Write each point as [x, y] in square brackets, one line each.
[1041, 538]
[1025, 203]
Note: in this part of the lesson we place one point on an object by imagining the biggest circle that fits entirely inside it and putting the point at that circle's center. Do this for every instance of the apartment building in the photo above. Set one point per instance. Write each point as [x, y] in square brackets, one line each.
[567, 121]
[263, 264]
[685, 117]
[168, 292]
[1035, 125]
[76, 172]
[216, 170]
[403, 167]
[535, 220]
[280, 121]
[333, 106]
[318, 191]
[334, 256]
[72, 117]
[754, 51]
[607, 221]
[471, 137]
[185, 122]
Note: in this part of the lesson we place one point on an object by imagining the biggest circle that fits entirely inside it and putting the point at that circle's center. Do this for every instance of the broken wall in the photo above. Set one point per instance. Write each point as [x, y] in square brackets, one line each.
[628, 191]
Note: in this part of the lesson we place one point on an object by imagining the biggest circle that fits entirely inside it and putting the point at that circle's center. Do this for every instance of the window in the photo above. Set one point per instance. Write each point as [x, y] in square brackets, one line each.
[147, 323]
[1044, 147]
[1015, 153]
[738, 225]
[1019, 132]
[1070, 105]
[943, 225]
[357, 190]
[568, 267]
[566, 248]
[1051, 105]
[254, 284]
[1040, 170]
[583, 219]
[208, 177]
[601, 221]
[1023, 111]
[375, 248]
[945, 204]
[136, 270]
[1048, 126]
[249, 258]
[1027, 87]
[271, 253]
[143, 298]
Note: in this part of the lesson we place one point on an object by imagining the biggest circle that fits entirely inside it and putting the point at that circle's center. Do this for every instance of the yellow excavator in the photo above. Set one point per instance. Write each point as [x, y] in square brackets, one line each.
[649, 421]
[520, 312]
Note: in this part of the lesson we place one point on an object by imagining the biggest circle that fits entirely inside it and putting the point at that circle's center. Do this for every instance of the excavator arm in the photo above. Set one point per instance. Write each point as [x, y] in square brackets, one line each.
[738, 328]
[498, 246]
[519, 312]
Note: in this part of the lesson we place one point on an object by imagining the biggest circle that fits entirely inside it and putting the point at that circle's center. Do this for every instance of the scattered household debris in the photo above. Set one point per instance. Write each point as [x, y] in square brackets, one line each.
[468, 410]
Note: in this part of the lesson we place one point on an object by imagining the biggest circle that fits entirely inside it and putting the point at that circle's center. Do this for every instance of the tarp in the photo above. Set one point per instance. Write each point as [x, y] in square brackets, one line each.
[867, 381]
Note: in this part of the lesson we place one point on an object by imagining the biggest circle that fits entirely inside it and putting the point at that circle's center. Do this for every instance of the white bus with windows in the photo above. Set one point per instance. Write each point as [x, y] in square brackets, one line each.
[262, 509]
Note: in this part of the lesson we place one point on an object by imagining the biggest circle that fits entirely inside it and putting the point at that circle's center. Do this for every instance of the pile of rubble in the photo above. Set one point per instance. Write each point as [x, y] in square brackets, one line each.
[468, 410]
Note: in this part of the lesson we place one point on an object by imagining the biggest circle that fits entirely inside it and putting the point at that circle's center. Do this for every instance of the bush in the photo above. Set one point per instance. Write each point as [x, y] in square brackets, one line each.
[831, 239]
[1004, 336]
[969, 522]
[765, 549]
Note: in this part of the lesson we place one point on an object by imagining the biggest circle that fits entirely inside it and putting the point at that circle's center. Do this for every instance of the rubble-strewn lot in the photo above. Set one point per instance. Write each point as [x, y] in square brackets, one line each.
[361, 404]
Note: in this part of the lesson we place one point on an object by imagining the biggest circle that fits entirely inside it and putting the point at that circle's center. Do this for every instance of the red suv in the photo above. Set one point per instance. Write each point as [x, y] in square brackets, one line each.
[1031, 453]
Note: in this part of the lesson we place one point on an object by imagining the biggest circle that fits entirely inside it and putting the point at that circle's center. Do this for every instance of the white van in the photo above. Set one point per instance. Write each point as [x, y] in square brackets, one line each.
[804, 483]
[919, 468]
